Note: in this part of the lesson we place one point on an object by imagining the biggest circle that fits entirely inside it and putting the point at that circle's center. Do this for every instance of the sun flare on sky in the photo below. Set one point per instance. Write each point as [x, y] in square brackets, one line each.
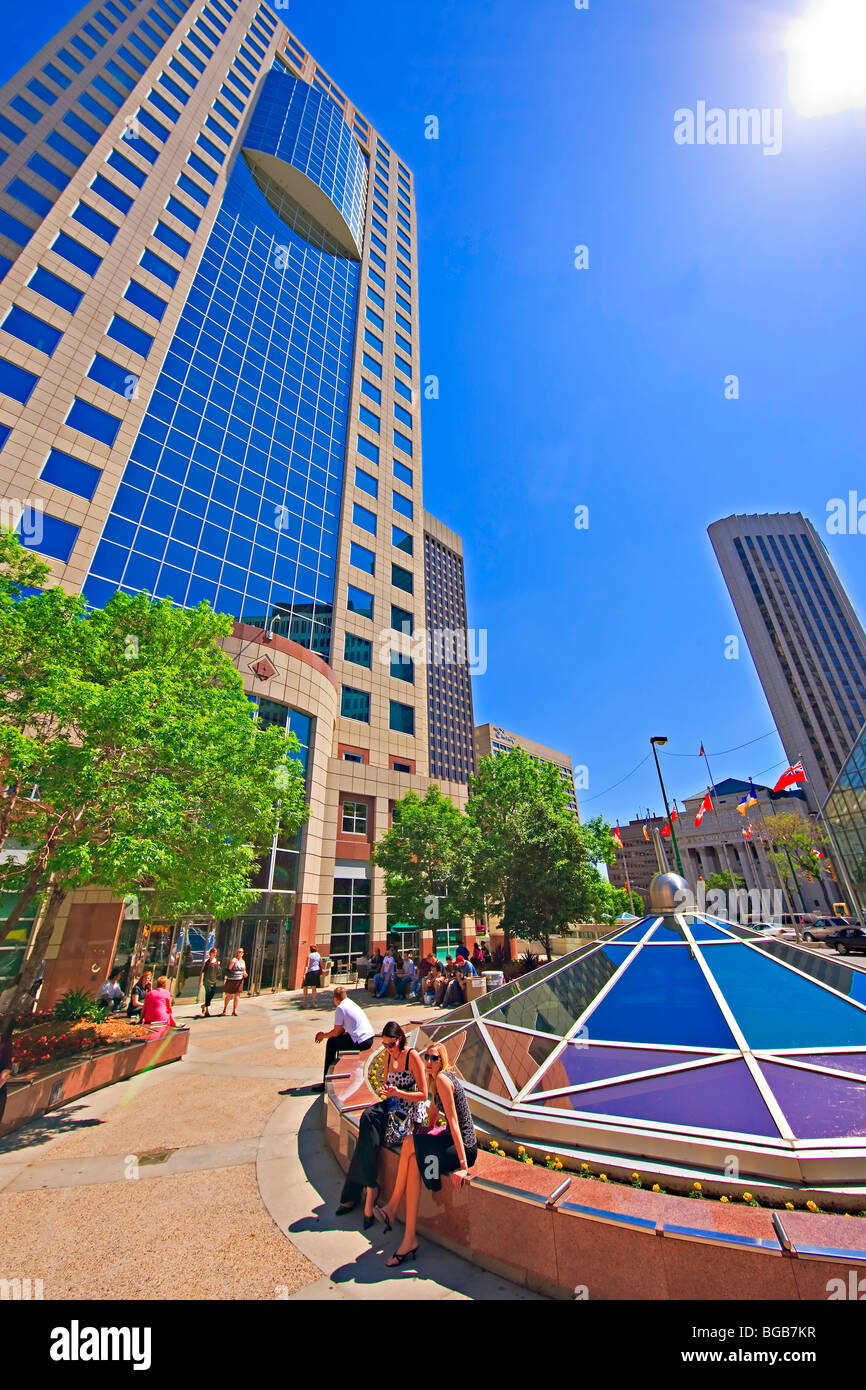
[827, 57]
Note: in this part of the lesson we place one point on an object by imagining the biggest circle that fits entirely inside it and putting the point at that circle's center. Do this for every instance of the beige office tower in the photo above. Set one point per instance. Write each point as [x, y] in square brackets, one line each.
[209, 390]
[489, 738]
[806, 640]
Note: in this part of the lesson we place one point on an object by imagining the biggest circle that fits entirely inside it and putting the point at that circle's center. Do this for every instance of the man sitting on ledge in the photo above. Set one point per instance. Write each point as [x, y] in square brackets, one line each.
[351, 1031]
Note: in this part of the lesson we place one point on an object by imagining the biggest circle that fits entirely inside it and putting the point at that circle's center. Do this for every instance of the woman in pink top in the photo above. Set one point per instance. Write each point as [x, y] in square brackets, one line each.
[157, 1004]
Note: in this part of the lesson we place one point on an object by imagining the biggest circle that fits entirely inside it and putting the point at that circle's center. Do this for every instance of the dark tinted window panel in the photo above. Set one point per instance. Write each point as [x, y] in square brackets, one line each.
[32, 330]
[72, 250]
[48, 171]
[126, 167]
[126, 333]
[15, 382]
[90, 420]
[95, 222]
[52, 287]
[65, 148]
[70, 473]
[56, 537]
[145, 299]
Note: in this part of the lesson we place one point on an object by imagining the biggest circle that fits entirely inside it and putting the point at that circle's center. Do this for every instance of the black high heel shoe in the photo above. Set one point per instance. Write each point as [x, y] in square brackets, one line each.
[396, 1259]
[382, 1215]
[344, 1208]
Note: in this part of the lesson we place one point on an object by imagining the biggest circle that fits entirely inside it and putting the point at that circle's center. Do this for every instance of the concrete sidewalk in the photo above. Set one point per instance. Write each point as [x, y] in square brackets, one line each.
[210, 1178]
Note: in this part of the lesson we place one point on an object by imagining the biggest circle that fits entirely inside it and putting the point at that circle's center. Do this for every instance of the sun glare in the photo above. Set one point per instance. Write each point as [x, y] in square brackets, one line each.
[827, 57]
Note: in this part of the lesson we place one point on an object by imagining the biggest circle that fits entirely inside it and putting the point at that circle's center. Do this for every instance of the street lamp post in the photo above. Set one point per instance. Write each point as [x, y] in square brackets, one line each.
[661, 742]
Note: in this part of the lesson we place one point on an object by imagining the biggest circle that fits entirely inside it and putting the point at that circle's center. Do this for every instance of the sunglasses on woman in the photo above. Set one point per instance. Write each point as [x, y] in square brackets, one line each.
[432, 1057]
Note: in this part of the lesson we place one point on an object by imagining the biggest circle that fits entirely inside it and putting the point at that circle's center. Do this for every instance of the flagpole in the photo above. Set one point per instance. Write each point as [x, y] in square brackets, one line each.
[627, 874]
[715, 801]
[786, 894]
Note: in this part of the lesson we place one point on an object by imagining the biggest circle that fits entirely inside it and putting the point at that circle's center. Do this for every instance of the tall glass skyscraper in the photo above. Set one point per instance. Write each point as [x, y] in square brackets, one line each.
[209, 370]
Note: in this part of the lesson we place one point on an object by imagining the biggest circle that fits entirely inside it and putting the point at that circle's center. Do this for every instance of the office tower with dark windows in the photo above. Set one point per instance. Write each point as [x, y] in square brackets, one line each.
[452, 653]
[805, 638]
[209, 368]
[491, 739]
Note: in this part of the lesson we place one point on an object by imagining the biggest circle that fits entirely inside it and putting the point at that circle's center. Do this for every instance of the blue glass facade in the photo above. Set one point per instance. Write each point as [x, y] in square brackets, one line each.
[233, 488]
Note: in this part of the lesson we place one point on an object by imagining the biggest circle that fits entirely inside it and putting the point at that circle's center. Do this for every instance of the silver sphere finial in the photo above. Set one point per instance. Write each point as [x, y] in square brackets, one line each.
[668, 893]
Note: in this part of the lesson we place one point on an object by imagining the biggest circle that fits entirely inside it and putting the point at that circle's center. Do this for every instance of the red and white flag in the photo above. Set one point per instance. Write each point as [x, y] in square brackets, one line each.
[788, 779]
[617, 838]
[706, 805]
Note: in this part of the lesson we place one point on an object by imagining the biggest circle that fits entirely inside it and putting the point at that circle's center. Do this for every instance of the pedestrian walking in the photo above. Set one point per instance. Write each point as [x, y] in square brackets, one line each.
[234, 981]
[210, 977]
[351, 1031]
[312, 975]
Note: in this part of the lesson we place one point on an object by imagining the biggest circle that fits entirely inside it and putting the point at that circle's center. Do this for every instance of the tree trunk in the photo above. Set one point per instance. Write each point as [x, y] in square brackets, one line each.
[16, 1001]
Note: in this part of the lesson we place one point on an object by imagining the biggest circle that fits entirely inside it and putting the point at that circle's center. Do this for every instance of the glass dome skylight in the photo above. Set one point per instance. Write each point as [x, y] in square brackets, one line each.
[680, 1040]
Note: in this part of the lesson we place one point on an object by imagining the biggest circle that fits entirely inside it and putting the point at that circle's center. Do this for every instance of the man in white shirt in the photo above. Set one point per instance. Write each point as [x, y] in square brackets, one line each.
[406, 978]
[351, 1031]
[383, 979]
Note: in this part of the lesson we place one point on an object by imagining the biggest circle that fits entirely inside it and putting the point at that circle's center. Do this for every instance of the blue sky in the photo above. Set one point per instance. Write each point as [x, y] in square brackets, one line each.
[604, 387]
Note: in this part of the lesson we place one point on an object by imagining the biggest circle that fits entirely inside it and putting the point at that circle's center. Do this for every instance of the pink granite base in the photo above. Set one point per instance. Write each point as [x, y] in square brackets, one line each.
[567, 1254]
[55, 1085]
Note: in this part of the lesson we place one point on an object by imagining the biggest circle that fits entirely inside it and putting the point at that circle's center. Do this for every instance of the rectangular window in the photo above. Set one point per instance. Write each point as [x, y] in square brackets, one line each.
[120, 76]
[192, 58]
[232, 97]
[191, 187]
[72, 251]
[16, 231]
[201, 168]
[171, 239]
[23, 193]
[358, 650]
[108, 91]
[402, 505]
[25, 109]
[183, 214]
[95, 108]
[376, 278]
[31, 330]
[403, 473]
[217, 130]
[182, 72]
[403, 390]
[111, 374]
[225, 114]
[56, 75]
[158, 267]
[376, 299]
[174, 88]
[402, 365]
[210, 148]
[65, 148]
[402, 579]
[359, 602]
[401, 718]
[355, 704]
[162, 105]
[89, 419]
[402, 668]
[401, 620]
[401, 442]
[145, 299]
[11, 130]
[107, 190]
[53, 288]
[62, 470]
[369, 451]
[362, 559]
[70, 60]
[401, 414]
[369, 419]
[403, 323]
[378, 242]
[15, 382]
[122, 331]
[403, 343]
[378, 260]
[125, 166]
[373, 392]
[130, 59]
[401, 539]
[95, 222]
[372, 341]
[372, 366]
[57, 537]
[354, 820]
[366, 482]
[360, 515]
[41, 91]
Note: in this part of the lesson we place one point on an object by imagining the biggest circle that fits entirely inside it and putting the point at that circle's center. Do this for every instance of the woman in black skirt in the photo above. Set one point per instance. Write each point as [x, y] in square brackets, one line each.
[437, 1148]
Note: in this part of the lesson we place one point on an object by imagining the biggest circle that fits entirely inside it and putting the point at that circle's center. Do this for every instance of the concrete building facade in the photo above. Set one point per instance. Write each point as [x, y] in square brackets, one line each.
[806, 640]
[490, 738]
[209, 390]
[451, 655]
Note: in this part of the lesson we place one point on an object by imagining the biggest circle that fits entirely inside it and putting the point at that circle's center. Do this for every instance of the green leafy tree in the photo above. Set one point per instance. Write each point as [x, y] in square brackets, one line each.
[131, 759]
[532, 866]
[426, 856]
[791, 838]
[610, 902]
[724, 881]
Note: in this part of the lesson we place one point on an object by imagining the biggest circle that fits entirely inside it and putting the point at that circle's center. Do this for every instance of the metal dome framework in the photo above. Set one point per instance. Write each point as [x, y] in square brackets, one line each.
[683, 1041]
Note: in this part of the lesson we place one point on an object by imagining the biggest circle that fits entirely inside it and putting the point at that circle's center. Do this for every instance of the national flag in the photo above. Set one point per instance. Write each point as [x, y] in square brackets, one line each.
[616, 837]
[646, 833]
[742, 806]
[706, 805]
[788, 778]
[666, 829]
[747, 831]
[817, 853]
[753, 795]
[702, 754]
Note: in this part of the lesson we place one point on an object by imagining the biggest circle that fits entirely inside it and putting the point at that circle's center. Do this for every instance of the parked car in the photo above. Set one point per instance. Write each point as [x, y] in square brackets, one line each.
[779, 931]
[848, 939]
[823, 927]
